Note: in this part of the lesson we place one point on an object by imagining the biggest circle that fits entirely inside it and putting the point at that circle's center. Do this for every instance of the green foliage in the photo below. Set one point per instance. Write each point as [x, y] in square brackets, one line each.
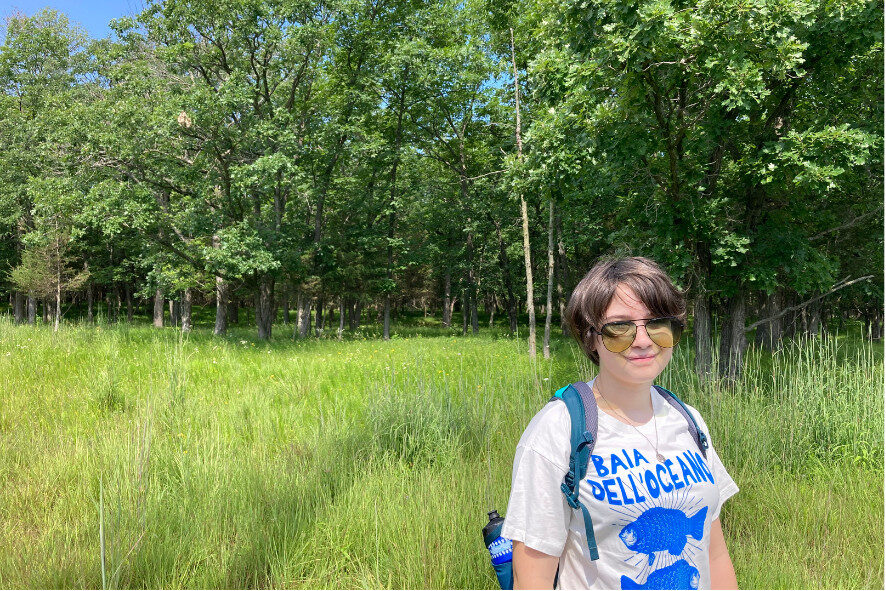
[360, 150]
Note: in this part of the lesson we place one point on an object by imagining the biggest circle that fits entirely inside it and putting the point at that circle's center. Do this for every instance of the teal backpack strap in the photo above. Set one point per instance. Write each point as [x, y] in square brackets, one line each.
[697, 434]
[582, 407]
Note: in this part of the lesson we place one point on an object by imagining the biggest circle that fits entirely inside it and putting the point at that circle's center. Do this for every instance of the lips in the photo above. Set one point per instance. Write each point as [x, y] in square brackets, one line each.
[641, 358]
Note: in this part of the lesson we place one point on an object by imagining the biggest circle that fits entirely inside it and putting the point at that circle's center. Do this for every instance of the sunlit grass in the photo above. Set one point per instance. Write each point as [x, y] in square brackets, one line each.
[368, 463]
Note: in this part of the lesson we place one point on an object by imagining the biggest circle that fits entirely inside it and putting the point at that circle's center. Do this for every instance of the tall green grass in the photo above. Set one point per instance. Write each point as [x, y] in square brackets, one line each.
[207, 462]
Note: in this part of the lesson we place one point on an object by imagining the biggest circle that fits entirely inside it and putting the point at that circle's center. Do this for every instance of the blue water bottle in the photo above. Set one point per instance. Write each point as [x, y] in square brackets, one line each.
[500, 550]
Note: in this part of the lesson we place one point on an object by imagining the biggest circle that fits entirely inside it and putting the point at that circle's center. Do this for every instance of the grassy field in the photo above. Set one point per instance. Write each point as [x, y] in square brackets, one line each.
[134, 458]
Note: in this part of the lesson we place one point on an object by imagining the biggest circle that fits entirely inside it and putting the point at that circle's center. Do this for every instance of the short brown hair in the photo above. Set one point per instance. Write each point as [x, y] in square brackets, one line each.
[591, 297]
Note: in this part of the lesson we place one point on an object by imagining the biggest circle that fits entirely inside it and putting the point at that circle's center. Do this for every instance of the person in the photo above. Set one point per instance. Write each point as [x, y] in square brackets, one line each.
[653, 497]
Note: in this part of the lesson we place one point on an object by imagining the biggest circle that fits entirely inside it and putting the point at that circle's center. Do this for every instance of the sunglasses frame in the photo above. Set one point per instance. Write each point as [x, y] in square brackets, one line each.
[645, 321]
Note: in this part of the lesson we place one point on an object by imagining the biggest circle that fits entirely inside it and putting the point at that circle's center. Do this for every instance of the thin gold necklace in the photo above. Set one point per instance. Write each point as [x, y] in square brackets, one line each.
[658, 455]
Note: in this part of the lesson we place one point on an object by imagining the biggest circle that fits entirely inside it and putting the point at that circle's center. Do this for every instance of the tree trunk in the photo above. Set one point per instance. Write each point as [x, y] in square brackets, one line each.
[299, 312]
[789, 320]
[492, 309]
[32, 310]
[548, 308]
[286, 318]
[187, 301]
[447, 296]
[524, 213]
[353, 320]
[110, 308]
[46, 307]
[386, 335]
[358, 313]
[118, 302]
[392, 203]
[813, 328]
[19, 307]
[234, 310]
[475, 323]
[304, 315]
[876, 330]
[264, 307]
[701, 327]
[701, 332]
[465, 313]
[471, 291]
[221, 307]
[768, 335]
[732, 338]
[129, 307]
[175, 311]
[825, 316]
[341, 317]
[511, 299]
[58, 302]
[319, 321]
[563, 276]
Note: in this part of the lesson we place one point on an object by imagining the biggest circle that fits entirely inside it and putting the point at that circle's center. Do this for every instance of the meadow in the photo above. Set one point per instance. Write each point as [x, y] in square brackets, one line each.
[136, 457]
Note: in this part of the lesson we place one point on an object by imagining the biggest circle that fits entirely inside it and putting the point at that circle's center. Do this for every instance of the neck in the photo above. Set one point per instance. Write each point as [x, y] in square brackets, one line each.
[630, 398]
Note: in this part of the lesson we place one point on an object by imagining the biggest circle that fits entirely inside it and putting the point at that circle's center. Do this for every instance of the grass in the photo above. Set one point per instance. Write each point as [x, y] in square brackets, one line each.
[364, 463]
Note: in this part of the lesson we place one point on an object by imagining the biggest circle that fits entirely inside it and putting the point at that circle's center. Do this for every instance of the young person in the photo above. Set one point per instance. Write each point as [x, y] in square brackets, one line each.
[653, 497]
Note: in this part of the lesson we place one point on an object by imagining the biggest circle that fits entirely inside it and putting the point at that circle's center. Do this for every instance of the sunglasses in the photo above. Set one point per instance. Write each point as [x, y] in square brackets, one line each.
[619, 336]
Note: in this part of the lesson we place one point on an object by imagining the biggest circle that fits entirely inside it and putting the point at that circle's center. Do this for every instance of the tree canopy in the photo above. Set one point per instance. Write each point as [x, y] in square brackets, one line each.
[333, 157]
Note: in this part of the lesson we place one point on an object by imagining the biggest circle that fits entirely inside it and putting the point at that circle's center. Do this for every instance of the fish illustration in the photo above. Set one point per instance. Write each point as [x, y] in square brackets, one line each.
[659, 529]
[680, 575]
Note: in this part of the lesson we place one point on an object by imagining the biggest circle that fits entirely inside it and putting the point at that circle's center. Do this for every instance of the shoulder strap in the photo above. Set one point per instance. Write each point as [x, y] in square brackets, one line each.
[582, 407]
[700, 438]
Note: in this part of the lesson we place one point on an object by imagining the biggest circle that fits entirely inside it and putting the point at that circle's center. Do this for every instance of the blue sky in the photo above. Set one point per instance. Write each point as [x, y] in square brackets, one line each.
[92, 15]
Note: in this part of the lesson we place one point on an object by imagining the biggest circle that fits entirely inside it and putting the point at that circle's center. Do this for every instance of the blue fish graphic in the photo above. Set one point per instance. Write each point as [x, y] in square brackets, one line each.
[680, 575]
[662, 529]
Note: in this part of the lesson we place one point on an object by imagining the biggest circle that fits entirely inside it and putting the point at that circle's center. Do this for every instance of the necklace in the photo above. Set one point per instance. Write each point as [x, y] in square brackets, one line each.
[658, 455]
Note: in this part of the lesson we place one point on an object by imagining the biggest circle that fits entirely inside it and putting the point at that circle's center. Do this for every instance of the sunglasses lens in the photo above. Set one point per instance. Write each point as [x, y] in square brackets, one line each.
[618, 336]
[664, 332]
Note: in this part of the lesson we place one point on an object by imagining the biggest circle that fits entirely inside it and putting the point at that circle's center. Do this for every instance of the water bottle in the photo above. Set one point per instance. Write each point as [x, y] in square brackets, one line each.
[500, 550]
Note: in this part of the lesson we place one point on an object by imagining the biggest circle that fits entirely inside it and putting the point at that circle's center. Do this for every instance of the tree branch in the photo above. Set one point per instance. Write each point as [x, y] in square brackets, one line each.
[853, 222]
[840, 285]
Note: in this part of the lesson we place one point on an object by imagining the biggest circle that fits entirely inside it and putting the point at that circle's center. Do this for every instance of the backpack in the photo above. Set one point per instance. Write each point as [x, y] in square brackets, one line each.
[583, 414]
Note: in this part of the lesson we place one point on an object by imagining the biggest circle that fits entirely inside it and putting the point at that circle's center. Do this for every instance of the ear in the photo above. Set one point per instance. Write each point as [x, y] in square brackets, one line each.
[593, 345]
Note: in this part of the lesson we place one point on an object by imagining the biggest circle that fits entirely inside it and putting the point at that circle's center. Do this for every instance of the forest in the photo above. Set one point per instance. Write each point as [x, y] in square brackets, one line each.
[309, 165]
[282, 282]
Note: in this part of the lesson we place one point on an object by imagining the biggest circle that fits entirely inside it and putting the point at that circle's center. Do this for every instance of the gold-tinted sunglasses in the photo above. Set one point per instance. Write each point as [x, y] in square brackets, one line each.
[619, 336]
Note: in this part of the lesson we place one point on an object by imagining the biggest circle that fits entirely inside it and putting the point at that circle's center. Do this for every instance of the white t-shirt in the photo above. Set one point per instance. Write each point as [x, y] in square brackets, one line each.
[652, 520]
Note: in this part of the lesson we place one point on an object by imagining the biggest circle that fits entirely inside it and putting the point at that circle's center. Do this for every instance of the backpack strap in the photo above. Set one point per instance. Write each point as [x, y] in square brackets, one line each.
[697, 434]
[582, 407]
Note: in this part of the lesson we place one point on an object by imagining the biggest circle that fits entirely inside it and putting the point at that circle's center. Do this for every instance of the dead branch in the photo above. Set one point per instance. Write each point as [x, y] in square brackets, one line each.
[838, 286]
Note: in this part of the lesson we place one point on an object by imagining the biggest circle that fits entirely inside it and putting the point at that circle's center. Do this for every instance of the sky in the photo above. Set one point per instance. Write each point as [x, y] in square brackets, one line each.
[92, 15]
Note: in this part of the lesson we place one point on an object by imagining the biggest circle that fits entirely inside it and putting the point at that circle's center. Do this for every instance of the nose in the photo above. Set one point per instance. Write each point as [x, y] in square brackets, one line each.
[642, 340]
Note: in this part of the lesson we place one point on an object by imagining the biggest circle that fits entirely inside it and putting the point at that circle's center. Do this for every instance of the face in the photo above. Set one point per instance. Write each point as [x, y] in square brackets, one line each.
[643, 361]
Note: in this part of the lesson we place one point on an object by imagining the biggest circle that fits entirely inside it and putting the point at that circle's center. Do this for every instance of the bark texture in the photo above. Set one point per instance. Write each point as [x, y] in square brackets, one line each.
[221, 307]
[769, 334]
[158, 308]
[732, 338]
[187, 301]
[548, 308]
[304, 316]
[447, 297]
[264, 307]
[19, 307]
[701, 332]
[527, 252]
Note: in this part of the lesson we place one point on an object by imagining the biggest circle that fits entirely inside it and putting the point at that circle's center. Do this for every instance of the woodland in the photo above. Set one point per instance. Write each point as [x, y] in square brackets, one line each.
[309, 166]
